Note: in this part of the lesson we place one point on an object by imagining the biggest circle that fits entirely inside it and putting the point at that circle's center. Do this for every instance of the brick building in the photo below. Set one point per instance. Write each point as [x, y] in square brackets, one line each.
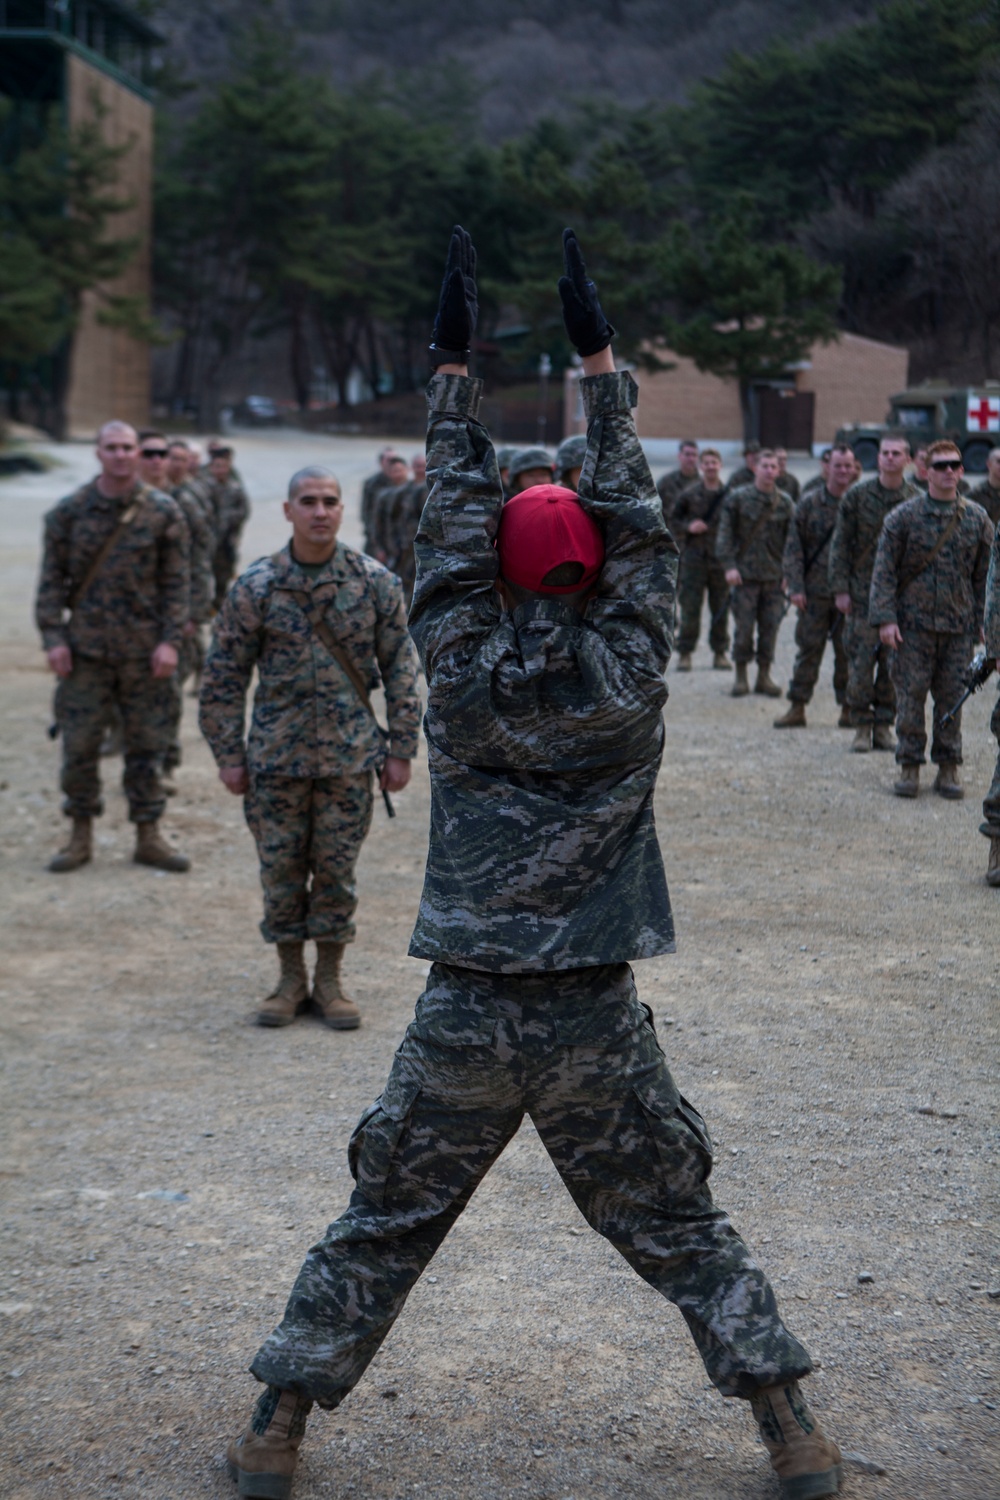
[75, 59]
[847, 381]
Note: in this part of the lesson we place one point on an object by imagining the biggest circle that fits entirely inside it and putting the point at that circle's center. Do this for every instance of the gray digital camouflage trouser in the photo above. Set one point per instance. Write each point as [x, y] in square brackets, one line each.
[309, 833]
[991, 802]
[935, 662]
[577, 1053]
[763, 605]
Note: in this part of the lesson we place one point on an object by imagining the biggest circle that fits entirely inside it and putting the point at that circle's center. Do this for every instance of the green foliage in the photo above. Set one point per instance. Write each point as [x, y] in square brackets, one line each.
[746, 309]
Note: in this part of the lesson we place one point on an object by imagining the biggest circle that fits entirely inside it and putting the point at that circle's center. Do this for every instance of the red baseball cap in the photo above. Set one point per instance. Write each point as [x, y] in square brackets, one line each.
[542, 527]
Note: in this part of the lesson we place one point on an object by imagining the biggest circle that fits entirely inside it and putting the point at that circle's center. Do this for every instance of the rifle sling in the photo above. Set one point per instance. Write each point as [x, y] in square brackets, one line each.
[125, 520]
[810, 561]
[314, 614]
[913, 574]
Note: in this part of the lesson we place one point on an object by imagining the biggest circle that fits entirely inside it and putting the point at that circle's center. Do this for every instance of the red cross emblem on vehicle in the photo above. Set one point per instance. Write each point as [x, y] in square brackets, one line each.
[983, 414]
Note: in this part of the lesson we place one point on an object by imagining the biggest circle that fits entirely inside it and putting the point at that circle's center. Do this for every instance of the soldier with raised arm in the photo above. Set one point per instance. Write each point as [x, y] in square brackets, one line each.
[544, 628]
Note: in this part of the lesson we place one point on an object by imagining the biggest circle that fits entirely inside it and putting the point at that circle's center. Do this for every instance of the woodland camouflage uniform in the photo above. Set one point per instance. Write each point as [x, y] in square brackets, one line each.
[991, 804]
[544, 878]
[752, 531]
[860, 517]
[230, 509]
[985, 495]
[670, 487]
[700, 569]
[938, 614]
[138, 599]
[397, 515]
[201, 555]
[312, 746]
[806, 570]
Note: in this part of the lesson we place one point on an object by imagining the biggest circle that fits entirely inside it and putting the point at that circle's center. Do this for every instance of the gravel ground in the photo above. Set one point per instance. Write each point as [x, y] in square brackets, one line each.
[164, 1164]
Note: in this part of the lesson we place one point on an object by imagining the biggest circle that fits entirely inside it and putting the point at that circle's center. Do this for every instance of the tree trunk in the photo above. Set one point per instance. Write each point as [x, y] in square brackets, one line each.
[299, 354]
[748, 409]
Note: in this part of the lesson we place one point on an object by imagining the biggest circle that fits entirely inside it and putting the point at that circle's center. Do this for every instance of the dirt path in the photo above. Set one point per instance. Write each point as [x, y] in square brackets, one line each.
[163, 1165]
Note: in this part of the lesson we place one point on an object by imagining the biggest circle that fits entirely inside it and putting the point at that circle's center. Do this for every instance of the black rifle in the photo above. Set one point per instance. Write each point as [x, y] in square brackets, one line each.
[981, 669]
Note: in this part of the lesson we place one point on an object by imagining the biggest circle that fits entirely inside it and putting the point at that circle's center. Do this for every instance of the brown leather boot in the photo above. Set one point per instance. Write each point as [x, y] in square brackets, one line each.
[908, 782]
[262, 1461]
[805, 1460]
[684, 662]
[946, 782]
[291, 996]
[741, 686]
[883, 738]
[151, 849]
[329, 1001]
[721, 662]
[993, 868]
[862, 741]
[79, 851]
[794, 719]
[764, 683]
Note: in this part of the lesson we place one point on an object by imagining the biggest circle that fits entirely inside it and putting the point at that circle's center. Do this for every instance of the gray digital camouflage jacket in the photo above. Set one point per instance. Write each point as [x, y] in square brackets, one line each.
[544, 726]
[308, 721]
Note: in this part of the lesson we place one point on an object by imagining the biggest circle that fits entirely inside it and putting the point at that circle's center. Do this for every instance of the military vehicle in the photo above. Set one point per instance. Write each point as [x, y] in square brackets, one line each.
[969, 415]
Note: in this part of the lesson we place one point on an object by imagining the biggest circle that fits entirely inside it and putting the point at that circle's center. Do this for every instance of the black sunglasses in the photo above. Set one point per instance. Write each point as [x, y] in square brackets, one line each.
[153, 452]
[947, 463]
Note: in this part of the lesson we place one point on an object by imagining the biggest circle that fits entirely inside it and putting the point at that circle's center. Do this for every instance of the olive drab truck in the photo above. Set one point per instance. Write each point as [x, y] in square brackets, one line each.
[969, 415]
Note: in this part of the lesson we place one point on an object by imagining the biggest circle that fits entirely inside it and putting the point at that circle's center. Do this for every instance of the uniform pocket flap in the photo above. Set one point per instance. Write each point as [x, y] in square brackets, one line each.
[398, 1096]
[658, 1097]
[451, 1026]
[598, 1027]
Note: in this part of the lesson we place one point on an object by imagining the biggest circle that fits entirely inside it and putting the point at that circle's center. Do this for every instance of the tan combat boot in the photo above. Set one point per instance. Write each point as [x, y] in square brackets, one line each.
[262, 1461]
[993, 868]
[845, 721]
[946, 782]
[862, 741]
[883, 738]
[329, 1001]
[764, 683]
[908, 782]
[805, 1460]
[291, 996]
[721, 662]
[794, 719]
[151, 849]
[684, 662]
[79, 851]
[741, 687]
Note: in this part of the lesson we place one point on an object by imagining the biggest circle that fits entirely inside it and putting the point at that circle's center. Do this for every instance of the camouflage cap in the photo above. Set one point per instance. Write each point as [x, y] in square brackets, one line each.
[504, 456]
[529, 458]
[571, 453]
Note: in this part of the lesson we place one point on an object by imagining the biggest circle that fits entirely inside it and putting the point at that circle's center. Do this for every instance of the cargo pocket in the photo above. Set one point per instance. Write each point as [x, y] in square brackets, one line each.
[683, 1144]
[601, 1026]
[374, 1143]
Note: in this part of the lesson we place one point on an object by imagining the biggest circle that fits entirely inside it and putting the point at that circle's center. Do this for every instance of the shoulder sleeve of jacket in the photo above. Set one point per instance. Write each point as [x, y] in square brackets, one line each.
[454, 602]
[53, 580]
[236, 645]
[633, 607]
[793, 562]
[882, 603]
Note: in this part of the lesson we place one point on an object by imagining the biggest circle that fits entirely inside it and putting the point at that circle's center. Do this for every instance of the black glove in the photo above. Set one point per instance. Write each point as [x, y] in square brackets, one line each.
[589, 330]
[458, 306]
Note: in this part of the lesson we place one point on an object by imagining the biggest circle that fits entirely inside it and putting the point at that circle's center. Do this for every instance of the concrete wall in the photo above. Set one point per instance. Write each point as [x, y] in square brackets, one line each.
[110, 372]
[852, 381]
